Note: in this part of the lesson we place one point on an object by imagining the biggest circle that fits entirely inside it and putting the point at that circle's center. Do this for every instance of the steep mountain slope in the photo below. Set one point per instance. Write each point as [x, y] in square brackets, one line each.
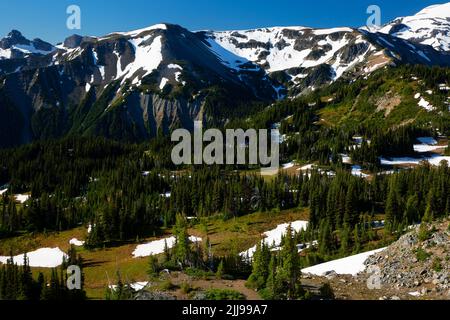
[127, 86]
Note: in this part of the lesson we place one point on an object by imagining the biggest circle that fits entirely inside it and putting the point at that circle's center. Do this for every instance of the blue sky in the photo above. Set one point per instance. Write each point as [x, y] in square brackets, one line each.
[47, 18]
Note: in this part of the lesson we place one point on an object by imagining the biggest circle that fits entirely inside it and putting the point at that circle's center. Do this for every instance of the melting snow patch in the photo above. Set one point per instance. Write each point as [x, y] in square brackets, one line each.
[41, 258]
[22, 198]
[157, 247]
[174, 66]
[428, 144]
[351, 265]
[434, 160]
[166, 195]
[135, 33]
[288, 165]
[137, 286]
[163, 83]
[273, 237]
[426, 105]
[306, 167]
[357, 171]
[346, 159]
[76, 242]
[147, 58]
[423, 103]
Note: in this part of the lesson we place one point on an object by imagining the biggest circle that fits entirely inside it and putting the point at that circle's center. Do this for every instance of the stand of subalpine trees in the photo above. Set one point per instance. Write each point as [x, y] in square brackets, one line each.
[17, 282]
[125, 194]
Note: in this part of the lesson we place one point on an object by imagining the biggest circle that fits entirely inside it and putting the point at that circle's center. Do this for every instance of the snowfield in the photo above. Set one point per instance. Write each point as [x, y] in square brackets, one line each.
[279, 51]
[22, 198]
[288, 165]
[147, 59]
[426, 105]
[41, 258]
[434, 160]
[428, 144]
[357, 172]
[428, 27]
[351, 265]
[273, 237]
[137, 286]
[157, 247]
[76, 242]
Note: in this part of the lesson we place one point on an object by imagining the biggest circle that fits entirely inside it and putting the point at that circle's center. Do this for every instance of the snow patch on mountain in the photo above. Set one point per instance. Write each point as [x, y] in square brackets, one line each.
[147, 58]
[137, 32]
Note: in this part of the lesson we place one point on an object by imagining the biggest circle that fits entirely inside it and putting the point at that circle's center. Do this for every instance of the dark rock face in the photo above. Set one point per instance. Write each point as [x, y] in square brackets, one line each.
[398, 28]
[315, 54]
[73, 41]
[252, 44]
[349, 53]
[42, 45]
[13, 38]
[307, 42]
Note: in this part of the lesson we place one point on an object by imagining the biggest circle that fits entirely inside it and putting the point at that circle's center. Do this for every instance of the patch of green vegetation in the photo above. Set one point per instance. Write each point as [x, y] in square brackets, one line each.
[199, 273]
[422, 255]
[186, 288]
[167, 285]
[223, 294]
[424, 232]
[437, 265]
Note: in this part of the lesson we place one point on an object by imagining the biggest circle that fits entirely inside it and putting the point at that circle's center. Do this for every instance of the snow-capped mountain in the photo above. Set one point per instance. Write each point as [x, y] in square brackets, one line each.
[15, 46]
[169, 54]
[298, 56]
[304, 58]
[17, 52]
[430, 26]
[127, 85]
[131, 85]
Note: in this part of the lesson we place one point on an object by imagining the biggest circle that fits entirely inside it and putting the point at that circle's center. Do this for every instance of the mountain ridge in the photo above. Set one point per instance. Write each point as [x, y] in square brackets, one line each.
[132, 85]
